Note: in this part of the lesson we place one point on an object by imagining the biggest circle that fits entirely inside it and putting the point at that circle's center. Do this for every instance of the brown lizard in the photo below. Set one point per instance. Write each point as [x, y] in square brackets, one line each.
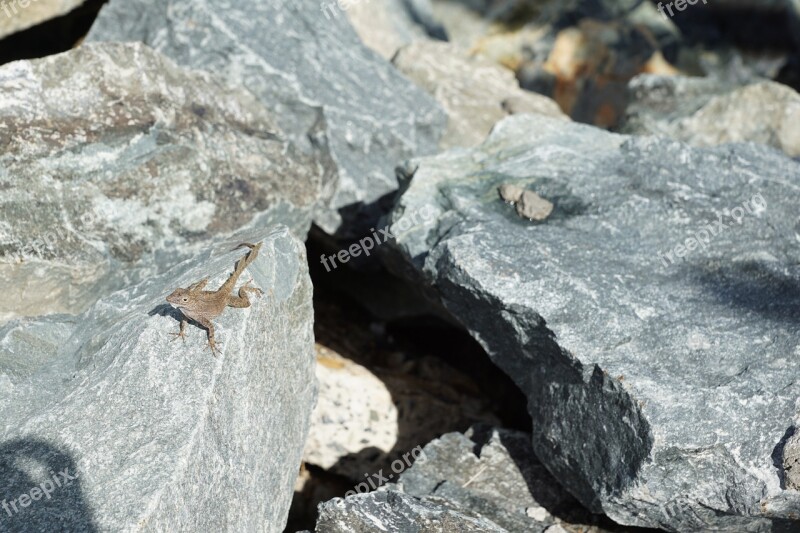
[204, 306]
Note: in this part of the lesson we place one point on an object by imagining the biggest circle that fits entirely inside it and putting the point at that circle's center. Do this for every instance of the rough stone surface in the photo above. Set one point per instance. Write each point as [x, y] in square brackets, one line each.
[365, 419]
[17, 18]
[162, 435]
[383, 26]
[661, 374]
[116, 162]
[705, 112]
[791, 462]
[393, 511]
[494, 472]
[471, 91]
[296, 61]
[354, 411]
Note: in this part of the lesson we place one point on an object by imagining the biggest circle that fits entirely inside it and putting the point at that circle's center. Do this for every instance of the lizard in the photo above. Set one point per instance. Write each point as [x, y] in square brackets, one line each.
[203, 306]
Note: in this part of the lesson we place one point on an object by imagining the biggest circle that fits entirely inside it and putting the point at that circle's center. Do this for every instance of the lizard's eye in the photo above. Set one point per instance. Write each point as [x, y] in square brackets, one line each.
[185, 299]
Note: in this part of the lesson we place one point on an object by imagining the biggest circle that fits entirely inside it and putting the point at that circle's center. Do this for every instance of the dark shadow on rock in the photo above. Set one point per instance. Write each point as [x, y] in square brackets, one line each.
[166, 310]
[29, 468]
[777, 455]
[751, 287]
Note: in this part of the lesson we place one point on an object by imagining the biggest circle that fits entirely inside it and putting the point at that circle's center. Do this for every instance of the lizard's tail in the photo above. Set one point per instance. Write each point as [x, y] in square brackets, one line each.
[242, 263]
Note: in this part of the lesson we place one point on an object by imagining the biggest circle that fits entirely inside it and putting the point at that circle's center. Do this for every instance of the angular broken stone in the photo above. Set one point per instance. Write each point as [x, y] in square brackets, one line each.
[791, 462]
[391, 510]
[471, 91]
[161, 434]
[300, 64]
[116, 162]
[652, 322]
[707, 112]
[533, 207]
[495, 473]
[528, 204]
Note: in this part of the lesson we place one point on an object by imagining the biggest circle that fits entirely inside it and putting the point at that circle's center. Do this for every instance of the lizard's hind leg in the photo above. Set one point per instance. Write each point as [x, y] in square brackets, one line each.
[243, 299]
[210, 328]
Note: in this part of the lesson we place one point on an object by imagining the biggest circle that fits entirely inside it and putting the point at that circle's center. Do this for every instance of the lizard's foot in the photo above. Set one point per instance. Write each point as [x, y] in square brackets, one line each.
[180, 334]
[213, 346]
[255, 290]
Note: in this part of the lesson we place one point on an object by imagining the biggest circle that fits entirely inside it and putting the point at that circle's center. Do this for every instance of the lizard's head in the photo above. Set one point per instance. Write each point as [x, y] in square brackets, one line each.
[179, 298]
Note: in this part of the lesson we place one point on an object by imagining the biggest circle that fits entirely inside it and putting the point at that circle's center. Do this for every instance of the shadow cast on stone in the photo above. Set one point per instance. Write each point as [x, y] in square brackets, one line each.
[777, 455]
[41, 490]
[752, 287]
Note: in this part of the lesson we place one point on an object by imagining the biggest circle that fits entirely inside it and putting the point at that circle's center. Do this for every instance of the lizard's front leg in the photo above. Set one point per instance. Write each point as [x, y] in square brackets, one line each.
[181, 333]
[210, 328]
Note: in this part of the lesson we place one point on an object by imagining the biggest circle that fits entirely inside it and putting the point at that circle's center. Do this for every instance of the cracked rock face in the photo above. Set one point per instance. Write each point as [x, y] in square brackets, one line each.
[705, 112]
[161, 435]
[116, 162]
[299, 63]
[651, 319]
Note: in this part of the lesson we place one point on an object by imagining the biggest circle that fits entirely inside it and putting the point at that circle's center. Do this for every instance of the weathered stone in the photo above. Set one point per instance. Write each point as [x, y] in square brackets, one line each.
[354, 412]
[495, 473]
[383, 26]
[658, 348]
[364, 420]
[391, 510]
[116, 162]
[471, 91]
[791, 462]
[707, 112]
[298, 61]
[528, 204]
[17, 18]
[162, 435]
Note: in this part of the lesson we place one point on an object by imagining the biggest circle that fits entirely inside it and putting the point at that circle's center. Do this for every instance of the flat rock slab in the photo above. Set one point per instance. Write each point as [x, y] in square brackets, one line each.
[652, 319]
[297, 62]
[161, 435]
[115, 162]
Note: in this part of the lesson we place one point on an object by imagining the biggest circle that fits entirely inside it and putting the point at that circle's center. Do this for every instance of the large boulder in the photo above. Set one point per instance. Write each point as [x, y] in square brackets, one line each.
[475, 93]
[298, 61]
[707, 112]
[650, 319]
[161, 435]
[116, 162]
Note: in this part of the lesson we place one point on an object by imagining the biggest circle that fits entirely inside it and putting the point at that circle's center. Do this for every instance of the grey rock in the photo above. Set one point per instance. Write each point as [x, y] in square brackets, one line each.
[296, 61]
[17, 18]
[382, 26]
[791, 462]
[707, 112]
[471, 91]
[117, 163]
[661, 373]
[394, 512]
[162, 435]
[495, 473]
